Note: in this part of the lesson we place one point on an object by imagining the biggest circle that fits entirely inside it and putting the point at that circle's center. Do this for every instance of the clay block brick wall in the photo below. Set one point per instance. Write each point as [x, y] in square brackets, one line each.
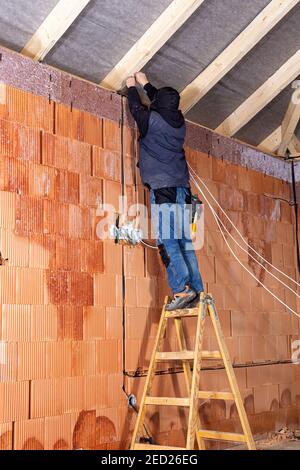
[67, 327]
[61, 289]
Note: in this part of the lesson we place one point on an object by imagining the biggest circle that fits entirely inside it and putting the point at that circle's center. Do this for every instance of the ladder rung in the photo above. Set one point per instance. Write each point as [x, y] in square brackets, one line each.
[186, 355]
[211, 355]
[221, 436]
[167, 401]
[154, 447]
[175, 356]
[191, 312]
[216, 395]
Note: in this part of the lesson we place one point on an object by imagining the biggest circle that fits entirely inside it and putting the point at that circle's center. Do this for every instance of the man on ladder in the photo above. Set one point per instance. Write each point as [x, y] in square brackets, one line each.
[164, 171]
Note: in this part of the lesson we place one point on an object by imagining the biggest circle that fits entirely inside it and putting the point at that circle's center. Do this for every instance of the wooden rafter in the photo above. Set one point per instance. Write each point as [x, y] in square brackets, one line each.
[261, 97]
[288, 127]
[53, 28]
[154, 38]
[272, 142]
[294, 147]
[259, 27]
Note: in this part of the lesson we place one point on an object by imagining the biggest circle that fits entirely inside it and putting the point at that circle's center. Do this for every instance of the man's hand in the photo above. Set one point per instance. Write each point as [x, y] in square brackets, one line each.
[141, 78]
[130, 82]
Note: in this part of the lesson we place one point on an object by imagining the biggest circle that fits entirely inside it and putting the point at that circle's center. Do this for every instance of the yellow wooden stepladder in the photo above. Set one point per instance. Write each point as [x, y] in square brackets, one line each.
[191, 361]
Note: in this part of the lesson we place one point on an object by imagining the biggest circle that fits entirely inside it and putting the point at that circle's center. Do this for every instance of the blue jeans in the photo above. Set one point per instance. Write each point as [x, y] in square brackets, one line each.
[171, 223]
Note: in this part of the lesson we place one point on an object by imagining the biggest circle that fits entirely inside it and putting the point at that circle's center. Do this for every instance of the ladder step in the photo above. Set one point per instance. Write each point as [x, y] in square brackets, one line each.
[221, 436]
[175, 356]
[186, 355]
[154, 447]
[167, 401]
[216, 395]
[188, 312]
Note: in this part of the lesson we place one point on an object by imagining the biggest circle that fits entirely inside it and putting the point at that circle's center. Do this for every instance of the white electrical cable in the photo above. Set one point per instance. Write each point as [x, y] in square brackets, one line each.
[237, 230]
[236, 257]
[251, 256]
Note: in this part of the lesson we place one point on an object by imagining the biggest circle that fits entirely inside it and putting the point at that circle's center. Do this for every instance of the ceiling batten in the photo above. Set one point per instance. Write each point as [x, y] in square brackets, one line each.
[237, 49]
[154, 38]
[53, 28]
[261, 97]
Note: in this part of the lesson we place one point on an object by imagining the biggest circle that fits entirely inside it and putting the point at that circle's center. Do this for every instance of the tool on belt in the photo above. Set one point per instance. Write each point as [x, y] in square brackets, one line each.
[196, 207]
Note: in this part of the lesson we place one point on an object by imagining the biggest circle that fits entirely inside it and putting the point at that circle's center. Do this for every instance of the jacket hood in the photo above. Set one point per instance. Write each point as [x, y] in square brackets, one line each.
[166, 103]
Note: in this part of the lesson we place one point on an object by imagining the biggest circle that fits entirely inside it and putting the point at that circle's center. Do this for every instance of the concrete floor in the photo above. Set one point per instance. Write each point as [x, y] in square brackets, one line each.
[284, 445]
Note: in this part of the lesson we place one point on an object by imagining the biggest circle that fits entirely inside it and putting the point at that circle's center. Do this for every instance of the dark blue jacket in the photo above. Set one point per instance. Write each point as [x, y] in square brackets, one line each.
[162, 160]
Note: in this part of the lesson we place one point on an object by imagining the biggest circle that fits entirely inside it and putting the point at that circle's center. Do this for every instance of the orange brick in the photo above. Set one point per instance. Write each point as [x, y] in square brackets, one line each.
[14, 175]
[91, 191]
[80, 222]
[112, 194]
[107, 290]
[112, 257]
[109, 356]
[92, 256]
[7, 210]
[94, 323]
[112, 135]
[84, 434]
[133, 354]
[58, 359]
[81, 289]
[58, 287]
[56, 218]
[29, 215]
[16, 322]
[83, 358]
[78, 125]
[8, 277]
[130, 292]
[66, 154]
[8, 361]
[58, 432]
[29, 434]
[106, 164]
[137, 323]
[68, 254]
[41, 251]
[42, 181]
[44, 323]
[6, 436]
[31, 360]
[113, 323]
[70, 322]
[15, 248]
[67, 186]
[29, 109]
[14, 401]
[96, 391]
[128, 136]
[30, 286]
[266, 398]
[19, 142]
[134, 261]
[146, 292]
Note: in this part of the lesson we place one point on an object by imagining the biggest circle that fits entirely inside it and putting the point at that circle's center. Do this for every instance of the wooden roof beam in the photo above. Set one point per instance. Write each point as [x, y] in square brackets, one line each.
[53, 28]
[257, 29]
[288, 127]
[261, 97]
[154, 38]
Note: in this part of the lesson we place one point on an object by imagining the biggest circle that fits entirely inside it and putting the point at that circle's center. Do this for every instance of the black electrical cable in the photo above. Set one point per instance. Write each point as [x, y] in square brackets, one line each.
[296, 214]
[125, 373]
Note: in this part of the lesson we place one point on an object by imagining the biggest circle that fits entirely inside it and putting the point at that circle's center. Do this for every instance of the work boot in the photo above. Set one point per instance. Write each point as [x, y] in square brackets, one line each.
[195, 302]
[181, 300]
